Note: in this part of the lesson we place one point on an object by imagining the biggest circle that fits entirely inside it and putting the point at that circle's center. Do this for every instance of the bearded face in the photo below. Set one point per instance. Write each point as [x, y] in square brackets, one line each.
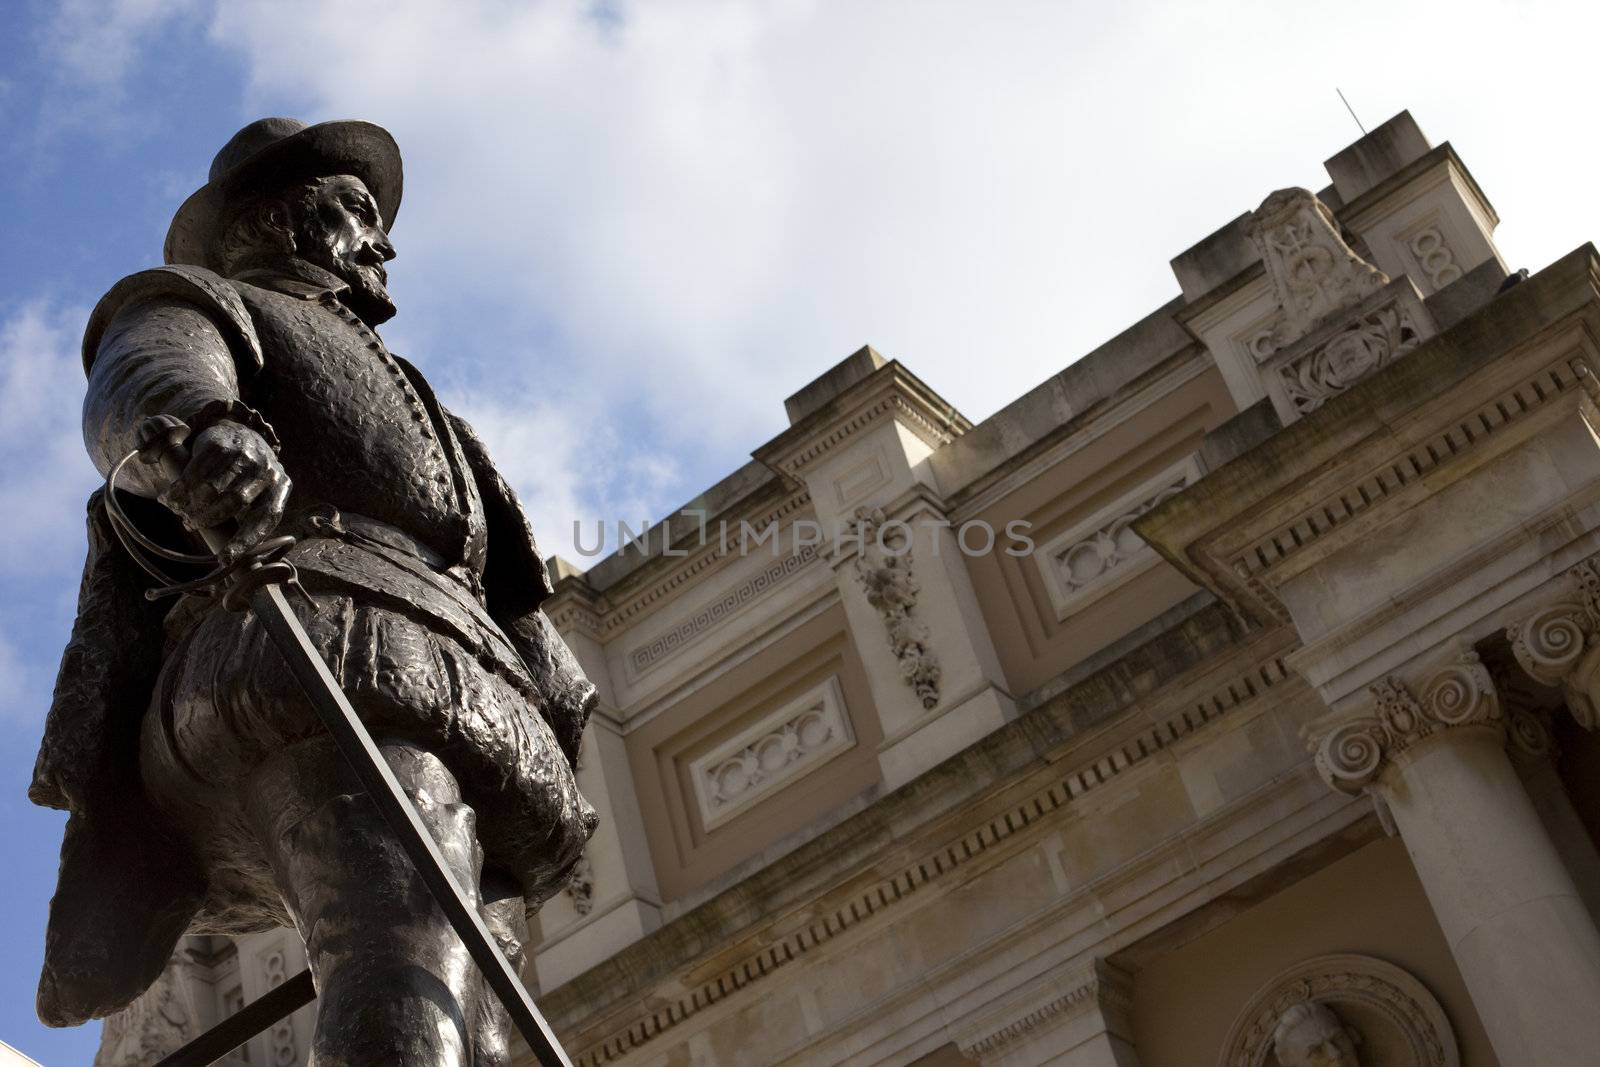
[1310, 1035]
[338, 228]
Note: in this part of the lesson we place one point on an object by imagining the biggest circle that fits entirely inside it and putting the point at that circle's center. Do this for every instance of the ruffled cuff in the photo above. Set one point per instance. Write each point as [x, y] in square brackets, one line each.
[233, 411]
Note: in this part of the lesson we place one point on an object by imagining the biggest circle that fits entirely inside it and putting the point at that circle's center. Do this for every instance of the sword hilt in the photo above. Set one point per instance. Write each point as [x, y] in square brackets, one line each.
[163, 442]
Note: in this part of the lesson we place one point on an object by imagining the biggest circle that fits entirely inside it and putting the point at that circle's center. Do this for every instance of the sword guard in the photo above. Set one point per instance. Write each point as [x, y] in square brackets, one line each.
[163, 440]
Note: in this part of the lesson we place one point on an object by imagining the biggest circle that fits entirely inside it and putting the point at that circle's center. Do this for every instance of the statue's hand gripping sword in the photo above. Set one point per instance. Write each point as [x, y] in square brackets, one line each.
[257, 581]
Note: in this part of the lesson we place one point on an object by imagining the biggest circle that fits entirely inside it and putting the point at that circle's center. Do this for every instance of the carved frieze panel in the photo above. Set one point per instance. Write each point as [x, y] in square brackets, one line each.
[1093, 557]
[780, 747]
[1303, 376]
[659, 649]
[1180, 717]
[1344, 1009]
[1350, 355]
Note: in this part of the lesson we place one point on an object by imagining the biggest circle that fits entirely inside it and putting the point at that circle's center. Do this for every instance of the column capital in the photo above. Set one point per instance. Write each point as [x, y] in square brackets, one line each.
[1559, 644]
[1353, 753]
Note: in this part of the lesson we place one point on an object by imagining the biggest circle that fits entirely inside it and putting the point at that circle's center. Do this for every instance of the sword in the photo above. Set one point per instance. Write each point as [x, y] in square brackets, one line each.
[166, 445]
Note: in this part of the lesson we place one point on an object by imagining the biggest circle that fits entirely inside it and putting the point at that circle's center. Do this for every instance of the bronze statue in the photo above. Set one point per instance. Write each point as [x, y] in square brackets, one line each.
[204, 795]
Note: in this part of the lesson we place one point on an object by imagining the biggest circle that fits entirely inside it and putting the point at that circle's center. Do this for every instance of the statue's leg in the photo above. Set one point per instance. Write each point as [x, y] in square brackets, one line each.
[395, 984]
[506, 917]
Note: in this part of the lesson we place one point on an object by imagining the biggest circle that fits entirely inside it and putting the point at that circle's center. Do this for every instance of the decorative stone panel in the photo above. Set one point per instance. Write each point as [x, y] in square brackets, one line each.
[1181, 716]
[772, 752]
[281, 1047]
[1430, 251]
[1095, 556]
[1314, 273]
[1338, 317]
[1303, 376]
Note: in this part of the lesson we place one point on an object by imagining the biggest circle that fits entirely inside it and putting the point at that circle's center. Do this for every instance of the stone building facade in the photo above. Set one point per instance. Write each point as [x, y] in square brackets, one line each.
[1224, 700]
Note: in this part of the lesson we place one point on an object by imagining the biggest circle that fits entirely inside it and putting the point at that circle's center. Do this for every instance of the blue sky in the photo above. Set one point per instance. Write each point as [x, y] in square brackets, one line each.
[630, 230]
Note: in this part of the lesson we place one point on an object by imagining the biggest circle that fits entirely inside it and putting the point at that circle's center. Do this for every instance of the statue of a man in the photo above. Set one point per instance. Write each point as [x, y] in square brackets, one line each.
[1309, 1034]
[204, 794]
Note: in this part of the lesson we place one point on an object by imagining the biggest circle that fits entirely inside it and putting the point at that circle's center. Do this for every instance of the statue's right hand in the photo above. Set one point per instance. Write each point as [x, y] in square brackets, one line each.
[232, 475]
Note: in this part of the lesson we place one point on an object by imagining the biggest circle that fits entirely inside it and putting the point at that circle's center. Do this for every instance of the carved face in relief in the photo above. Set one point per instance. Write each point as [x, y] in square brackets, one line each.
[1311, 1035]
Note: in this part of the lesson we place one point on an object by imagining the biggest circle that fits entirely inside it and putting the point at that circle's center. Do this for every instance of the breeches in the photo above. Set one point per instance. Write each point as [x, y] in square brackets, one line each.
[226, 704]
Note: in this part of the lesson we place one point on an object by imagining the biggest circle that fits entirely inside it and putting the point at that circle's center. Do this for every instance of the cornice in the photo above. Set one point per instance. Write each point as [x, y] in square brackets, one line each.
[891, 391]
[604, 615]
[1364, 209]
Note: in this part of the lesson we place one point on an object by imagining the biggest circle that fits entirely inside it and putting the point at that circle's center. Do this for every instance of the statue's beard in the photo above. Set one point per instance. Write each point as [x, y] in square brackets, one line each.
[369, 293]
[360, 268]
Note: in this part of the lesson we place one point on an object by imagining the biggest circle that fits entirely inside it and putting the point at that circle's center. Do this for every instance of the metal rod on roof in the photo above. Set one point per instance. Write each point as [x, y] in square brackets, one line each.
[1350, 109]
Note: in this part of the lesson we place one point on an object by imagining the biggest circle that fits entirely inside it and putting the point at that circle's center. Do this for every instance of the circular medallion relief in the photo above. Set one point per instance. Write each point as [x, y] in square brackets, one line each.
[1341, 1011]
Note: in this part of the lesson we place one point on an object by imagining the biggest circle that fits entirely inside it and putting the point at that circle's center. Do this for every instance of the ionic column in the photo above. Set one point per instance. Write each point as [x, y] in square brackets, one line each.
[1559, 645]
[1521, 937]
[1532, 747]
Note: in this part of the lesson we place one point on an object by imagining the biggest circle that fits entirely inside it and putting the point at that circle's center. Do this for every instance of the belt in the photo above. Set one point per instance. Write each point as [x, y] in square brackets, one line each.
[329, 521]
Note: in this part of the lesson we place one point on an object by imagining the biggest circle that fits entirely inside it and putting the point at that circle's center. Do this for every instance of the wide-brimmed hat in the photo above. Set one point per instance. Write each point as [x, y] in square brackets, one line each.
[270, 153]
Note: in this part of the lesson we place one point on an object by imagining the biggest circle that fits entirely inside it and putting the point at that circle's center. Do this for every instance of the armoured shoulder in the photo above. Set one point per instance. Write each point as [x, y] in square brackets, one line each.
[205, 289]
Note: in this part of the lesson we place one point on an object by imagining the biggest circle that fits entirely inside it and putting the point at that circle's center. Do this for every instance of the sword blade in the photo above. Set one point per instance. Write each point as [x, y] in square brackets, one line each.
[333, 707]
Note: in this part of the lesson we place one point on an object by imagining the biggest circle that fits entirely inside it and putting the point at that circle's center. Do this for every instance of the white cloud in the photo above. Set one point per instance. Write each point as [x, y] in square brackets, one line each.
[96, 42]
[48, 476]
[43, 483]
[679, 212]
[565, 468]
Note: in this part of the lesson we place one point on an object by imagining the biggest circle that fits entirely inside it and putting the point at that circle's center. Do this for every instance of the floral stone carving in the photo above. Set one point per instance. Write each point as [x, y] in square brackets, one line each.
[580, 886]
[884, 569]
[1343, 1010]
[1328, 369]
